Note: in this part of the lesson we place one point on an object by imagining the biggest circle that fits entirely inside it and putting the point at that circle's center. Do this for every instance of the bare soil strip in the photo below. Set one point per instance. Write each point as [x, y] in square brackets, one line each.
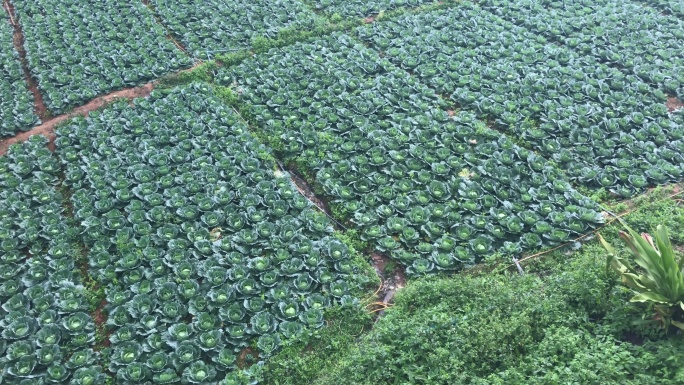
[40, 108]
[673, 104]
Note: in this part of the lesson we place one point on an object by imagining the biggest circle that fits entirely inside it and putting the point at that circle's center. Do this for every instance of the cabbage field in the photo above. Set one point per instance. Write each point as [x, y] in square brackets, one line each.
[189, 233]
[16, 103]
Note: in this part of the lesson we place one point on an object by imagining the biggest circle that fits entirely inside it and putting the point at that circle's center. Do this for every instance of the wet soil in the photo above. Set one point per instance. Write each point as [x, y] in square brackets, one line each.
[673, 104]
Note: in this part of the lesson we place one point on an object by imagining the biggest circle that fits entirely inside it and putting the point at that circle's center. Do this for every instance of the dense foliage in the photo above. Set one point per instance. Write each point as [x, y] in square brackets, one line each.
[78, 50]
[363, 8]
[434, 191]
[16, 102]
[637, 38]
[605, 128]
[675, 7]
[46, 332]
[202, 248]
[570, 327]
[217, 25]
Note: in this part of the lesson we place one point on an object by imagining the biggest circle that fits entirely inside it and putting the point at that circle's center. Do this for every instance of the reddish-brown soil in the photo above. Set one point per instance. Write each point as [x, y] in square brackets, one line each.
[369, 20]
[100, 318]
[47, 129]
[242, 357]
[673, 104]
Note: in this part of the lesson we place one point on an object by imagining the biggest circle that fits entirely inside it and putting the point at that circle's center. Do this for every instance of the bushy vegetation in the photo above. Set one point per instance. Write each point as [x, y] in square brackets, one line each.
[573, 325]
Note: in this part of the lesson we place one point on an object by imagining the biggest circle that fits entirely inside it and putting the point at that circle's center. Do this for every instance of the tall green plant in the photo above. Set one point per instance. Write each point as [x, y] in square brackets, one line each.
[659, 277]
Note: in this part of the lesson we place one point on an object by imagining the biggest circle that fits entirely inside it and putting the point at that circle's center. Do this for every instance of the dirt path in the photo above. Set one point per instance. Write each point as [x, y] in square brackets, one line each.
[47, 129]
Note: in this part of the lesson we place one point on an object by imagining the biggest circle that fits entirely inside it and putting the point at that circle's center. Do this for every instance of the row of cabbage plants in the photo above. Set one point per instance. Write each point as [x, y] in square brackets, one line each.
[434, 191]
[16, 102]
[605, 128]
[631, 35]
[216, 25]
[364, 8]
[46, 332]
[78, 50]
[202, 245]
[674, 7]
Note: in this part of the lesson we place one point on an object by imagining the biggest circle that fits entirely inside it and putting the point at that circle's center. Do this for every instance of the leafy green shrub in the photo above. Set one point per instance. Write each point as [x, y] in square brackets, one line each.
[657, 279]
[568, 327]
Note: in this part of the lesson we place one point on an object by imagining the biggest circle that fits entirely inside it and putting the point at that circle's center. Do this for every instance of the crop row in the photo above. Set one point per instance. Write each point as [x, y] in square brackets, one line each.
[674, 7]
[431, 190]
[633, 36]
[202, 247]
[605, 128]
[78, 50]
[46, 331]
[217, 25]
[363, 8]
[16, 102]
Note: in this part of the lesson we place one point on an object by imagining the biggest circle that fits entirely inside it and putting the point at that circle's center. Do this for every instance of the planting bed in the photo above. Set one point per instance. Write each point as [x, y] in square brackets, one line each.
[602, 127]
[202, 247]
[361, 8]
[431, 190]
[217, 25]
[16, 102]
[674, 7]
[47, 332]
[639, 39]
[79, 50]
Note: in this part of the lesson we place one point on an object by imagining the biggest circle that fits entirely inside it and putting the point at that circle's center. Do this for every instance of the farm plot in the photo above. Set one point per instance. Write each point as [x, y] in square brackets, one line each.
[433, 191]
[638, 38]
[604, 128]
[202, 247]
[79, 50]
[674, 7]
[361, 8]
[217, 25]
[16, 102]
[46, 331]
